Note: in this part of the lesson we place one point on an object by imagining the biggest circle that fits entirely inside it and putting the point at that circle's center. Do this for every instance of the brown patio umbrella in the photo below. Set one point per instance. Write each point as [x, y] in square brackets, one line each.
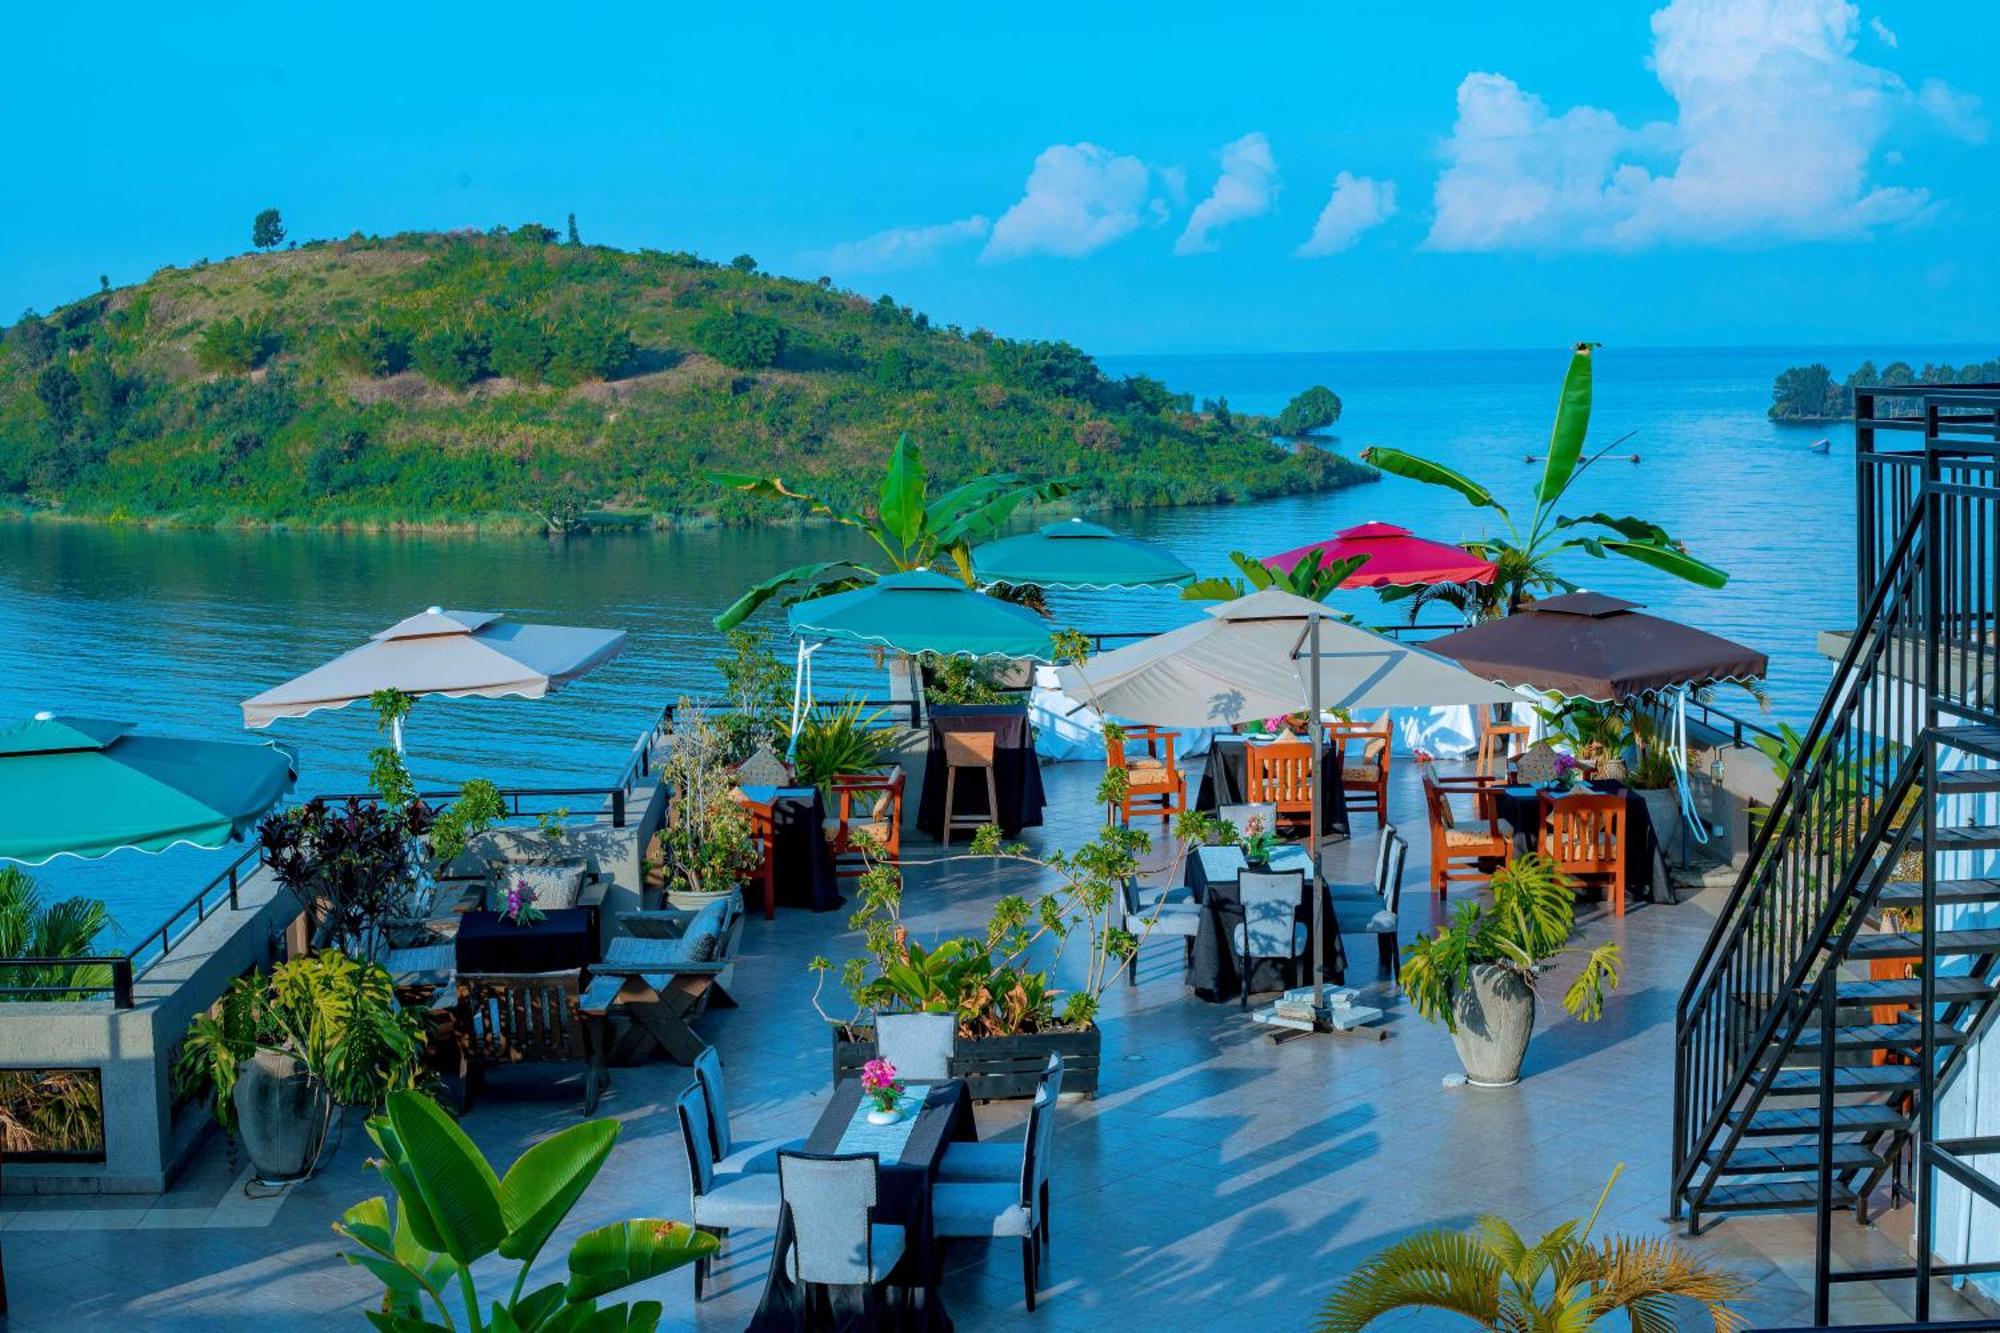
[1587, 645]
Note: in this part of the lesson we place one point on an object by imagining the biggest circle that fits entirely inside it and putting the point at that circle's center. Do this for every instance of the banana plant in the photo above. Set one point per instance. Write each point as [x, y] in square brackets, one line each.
[911, 530]
[1526, 554]
[1311, 578]
[452, 1210]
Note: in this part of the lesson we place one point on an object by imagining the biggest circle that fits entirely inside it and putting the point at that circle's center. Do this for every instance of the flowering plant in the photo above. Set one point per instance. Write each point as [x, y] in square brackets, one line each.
[879, 1081]
[521, 909]
[1258, 841]
[1422, 755]
[1569, 771]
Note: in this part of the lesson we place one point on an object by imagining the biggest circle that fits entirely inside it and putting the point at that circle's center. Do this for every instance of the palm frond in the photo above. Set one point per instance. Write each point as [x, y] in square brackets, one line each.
[1638, 1274]
[1440, 1270]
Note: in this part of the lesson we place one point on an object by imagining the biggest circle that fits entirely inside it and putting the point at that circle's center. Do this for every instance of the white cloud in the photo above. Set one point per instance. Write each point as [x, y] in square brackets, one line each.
[1961, 115]
[1883, 33]
[1775, 128]
[903, 247]
[1079, 198]
[1356, 204]
[1245, 189]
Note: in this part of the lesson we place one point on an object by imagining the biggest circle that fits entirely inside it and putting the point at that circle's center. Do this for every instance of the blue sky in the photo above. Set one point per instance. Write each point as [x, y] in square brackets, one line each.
[1135, 178]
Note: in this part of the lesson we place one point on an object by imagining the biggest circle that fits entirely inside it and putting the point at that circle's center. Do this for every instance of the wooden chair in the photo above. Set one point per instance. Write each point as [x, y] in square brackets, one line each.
[529, 1018]
[764, 832]
[653, 977]
[867, 809]
[1499, 743]
[971, 751]
[1280, 774]
[1364, 784]
[1154, 783]
[1463, 853]
[1585, 834]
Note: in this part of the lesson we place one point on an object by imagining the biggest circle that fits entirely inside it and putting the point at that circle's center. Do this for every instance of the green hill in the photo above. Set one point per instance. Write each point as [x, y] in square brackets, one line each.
[504, 378]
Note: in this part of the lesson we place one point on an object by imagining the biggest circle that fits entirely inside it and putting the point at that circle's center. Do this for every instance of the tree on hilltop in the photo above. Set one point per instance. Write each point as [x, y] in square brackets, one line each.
[267, 230]
[1315, 409]
[574, 239]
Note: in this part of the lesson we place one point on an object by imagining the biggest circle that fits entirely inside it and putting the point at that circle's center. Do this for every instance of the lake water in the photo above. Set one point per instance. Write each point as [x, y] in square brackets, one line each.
[173, 629]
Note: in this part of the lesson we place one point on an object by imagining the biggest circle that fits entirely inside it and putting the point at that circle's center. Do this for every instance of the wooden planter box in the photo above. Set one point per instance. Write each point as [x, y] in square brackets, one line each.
[997, 1068]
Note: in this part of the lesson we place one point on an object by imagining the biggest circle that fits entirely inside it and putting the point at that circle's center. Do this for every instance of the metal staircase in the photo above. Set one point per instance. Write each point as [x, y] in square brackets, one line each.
[1857, 959]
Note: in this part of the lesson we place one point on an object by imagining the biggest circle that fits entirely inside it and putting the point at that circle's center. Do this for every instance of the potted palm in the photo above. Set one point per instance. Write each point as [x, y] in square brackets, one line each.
[280, 1053]
[1477, 976]
[1493, 1278]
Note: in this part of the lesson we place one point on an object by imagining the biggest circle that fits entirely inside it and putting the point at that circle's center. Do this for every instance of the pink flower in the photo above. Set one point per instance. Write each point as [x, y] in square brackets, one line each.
[1422, 755]
[878, 1075]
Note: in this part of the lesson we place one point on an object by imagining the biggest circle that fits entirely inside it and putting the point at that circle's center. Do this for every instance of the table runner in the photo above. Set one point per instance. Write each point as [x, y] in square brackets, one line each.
[885, 1141]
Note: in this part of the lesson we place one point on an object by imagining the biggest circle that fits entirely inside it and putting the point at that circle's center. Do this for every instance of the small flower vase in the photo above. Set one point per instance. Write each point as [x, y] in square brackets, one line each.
[878, 1116]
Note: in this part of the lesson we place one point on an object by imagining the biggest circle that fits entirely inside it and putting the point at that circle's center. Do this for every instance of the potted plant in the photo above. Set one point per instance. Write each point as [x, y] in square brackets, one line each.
[1657, 783]
[1492, 1277]
[839, 741]
[1477, 976]
[280, 1053]
[454, 1212]
[703, 850]
[1596, 733]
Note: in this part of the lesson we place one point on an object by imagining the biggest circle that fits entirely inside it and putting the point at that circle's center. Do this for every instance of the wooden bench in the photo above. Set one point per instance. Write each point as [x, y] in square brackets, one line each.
[646, 980]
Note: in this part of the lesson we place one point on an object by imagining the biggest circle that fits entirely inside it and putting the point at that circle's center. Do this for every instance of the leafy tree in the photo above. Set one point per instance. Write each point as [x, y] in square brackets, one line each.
[518, 346]
[104, 282]
[534, 233]
[892, 368]
[742, 340]
[267, 230]
[911, 530]
[590, 348]
[33, 338]
[1050, 367]
[1806, 393]
[374, 348]
[1312, 578]
[743, 264]
[453, 355]
[33, 928]
[235, 345]
[1526, 556]
[574, 239]
[61, 396]
[1315, 409]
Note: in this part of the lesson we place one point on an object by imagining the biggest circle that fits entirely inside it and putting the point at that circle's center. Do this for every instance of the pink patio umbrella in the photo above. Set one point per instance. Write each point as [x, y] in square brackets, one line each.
[1396, 558]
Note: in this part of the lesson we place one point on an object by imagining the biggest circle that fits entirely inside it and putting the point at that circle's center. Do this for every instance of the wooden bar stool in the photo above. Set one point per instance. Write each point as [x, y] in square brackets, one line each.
[969, 750]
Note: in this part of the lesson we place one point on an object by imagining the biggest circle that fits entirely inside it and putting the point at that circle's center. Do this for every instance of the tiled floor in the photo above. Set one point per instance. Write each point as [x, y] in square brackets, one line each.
[1216, 1176]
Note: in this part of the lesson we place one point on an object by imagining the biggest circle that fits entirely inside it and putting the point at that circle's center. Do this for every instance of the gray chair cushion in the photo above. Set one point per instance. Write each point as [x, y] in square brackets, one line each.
[984, 1208]
[556, 884]
[975, 1162]
[1175, 919]
[704, 933]
[1299, 937]
[747, 1200]
[627, 954]
[761, 1158]
[430, 964]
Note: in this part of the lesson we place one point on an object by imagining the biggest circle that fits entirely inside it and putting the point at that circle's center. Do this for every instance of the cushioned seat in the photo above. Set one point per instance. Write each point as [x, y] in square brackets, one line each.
[425, 965]
[746, 1200]
[980, 1208]
[875, 829]
[1459, 837]
[887, 1244]
[757, 1157]
[1364, 773]
[981, 1161]
[1300, 935]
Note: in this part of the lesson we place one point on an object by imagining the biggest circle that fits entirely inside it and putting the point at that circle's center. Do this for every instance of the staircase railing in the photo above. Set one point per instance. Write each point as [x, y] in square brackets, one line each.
[1815, 843]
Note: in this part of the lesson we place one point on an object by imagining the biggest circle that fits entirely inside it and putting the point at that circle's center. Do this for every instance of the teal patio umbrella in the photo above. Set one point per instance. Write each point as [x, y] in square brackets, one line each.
[86, 788]
[923, 611]
[1079, 555]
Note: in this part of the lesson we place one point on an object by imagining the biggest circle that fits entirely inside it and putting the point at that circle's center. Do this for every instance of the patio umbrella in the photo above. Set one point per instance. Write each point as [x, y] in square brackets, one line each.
[1271, 652]
[1076, 554]
[923, 611]
[1589, 646]
[86, 788]
[1396, 558]
[458, 654]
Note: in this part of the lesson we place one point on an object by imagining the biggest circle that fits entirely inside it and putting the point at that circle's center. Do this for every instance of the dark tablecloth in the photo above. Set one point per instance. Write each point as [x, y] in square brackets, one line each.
[1214, 971]
[1645, 860]
[1016, 773]
[903, 1198]
[1223, 780]
[801, 860]
[562, 940]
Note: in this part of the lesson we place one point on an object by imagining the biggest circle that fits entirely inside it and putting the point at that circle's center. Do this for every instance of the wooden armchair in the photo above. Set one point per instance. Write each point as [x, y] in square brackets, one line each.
[763, 817]
[1585, 834]
[1464, 853]
[663, 972]
[1499, 745]
[1364, 783]
[529, 1018]
[1154, 783]
[867, 808]
[1280, 774]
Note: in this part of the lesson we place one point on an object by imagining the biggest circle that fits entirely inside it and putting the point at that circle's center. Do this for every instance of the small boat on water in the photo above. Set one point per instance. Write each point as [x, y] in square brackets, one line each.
[1820, 446]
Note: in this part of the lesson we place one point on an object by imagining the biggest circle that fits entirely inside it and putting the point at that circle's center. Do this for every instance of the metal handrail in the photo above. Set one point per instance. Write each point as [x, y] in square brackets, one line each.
[119, 988]
[511, 797]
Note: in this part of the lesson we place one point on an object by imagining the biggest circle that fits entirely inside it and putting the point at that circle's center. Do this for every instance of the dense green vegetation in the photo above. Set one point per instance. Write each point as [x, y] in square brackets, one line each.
[516, 378]
[1315, 409]
[1811, 393]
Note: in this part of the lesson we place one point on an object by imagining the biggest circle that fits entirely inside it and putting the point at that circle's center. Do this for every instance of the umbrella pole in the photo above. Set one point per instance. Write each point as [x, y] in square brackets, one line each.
[1317, 731]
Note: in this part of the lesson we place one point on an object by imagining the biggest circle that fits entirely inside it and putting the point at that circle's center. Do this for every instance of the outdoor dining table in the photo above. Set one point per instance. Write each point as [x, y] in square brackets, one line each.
[1224, 779]
[910, 1155]
[1016, 774]
[1645, 859]
[561, 941]
[1214, 968]
[801, 861]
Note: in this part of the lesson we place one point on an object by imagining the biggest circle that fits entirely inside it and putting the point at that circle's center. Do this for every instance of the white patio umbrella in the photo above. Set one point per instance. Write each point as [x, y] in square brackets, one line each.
[458, 654]
[1271, 652]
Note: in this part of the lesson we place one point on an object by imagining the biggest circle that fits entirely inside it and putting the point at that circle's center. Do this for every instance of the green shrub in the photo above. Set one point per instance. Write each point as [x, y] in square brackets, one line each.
[518, 346]
[589, 349]
[374, 348]
[452, 355]
[746, 342]
[236, 346]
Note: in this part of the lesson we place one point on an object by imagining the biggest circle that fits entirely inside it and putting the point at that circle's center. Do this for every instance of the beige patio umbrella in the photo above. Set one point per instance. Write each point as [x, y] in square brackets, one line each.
[1269, 653]
[459, 654]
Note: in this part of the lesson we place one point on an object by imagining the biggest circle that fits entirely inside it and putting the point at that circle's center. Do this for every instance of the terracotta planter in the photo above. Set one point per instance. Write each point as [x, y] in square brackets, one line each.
[282, 1111]
[1495, 1015]
[998, 1068]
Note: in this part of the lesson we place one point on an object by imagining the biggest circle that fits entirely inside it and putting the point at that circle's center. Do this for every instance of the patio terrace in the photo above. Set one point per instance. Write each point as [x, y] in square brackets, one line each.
[1215, 1176]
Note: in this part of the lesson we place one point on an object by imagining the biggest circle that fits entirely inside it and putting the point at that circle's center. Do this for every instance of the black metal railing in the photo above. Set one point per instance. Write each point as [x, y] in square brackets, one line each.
[610, 800]
[1894, 432]
[117, 983]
